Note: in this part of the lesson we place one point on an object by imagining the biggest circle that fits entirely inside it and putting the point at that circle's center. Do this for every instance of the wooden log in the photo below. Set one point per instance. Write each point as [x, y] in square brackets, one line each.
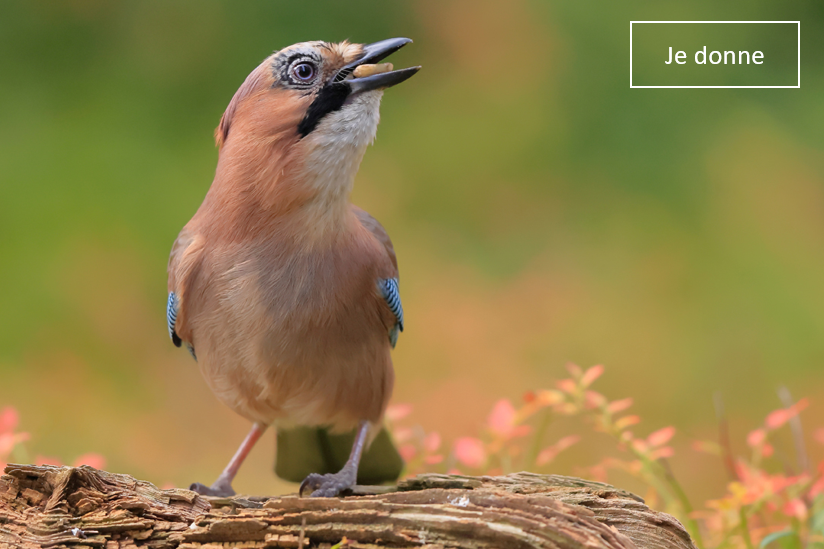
[52, 507]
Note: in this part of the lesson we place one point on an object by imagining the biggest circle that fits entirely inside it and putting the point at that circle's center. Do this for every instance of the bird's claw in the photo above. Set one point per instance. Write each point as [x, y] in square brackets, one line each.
[327, 486]
[217, 489]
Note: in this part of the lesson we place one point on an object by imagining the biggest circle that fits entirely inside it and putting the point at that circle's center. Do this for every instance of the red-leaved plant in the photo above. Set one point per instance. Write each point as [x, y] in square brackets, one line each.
[759, 508]
[11, 445]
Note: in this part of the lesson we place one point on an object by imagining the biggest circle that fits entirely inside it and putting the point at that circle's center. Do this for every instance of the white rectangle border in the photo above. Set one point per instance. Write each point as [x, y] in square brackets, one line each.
[799, 54]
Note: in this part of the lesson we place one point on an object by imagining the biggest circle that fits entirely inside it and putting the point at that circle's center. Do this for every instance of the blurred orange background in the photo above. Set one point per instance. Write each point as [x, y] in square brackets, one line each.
[543, 213]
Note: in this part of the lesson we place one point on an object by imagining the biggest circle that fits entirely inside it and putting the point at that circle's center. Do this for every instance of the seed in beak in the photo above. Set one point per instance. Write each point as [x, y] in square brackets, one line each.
[368, 70]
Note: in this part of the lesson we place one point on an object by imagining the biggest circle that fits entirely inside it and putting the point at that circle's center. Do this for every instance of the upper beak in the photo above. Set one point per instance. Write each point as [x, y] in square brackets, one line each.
[373, 53]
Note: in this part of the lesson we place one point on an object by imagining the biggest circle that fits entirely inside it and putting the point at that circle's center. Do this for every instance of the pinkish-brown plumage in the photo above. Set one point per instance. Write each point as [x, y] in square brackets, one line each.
[276, 275]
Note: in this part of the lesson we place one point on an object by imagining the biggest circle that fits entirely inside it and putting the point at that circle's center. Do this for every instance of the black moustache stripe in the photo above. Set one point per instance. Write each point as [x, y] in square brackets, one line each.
[329, 99]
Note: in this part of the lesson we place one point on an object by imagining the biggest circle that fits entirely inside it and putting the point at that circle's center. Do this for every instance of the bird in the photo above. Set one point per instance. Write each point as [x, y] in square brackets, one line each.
[285, 293]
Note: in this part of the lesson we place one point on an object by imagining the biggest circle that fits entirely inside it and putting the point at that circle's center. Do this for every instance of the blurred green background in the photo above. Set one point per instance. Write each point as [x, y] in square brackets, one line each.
[543, 212]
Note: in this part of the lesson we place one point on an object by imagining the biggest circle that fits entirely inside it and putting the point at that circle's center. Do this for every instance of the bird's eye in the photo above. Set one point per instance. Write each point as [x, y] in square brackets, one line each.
[304, 71]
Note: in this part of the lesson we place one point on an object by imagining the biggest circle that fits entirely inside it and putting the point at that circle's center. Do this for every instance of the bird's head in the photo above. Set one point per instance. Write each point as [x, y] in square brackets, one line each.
[316, 103]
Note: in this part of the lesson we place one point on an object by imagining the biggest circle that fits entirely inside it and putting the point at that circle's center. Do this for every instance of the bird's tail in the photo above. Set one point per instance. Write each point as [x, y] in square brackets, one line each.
[305, 450]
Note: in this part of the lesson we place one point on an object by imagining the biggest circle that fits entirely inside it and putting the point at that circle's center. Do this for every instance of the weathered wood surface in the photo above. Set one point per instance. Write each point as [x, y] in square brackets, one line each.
[82, 507]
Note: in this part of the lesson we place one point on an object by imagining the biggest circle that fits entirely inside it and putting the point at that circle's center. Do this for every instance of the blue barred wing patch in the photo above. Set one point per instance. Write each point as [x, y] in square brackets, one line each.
[391, 294]
[172, 307]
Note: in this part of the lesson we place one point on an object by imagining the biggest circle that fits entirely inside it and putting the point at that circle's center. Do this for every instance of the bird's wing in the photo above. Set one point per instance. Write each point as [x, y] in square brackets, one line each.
[181, 261]
[172, 307]
[377, 230]
[387, 286]
[392, 296]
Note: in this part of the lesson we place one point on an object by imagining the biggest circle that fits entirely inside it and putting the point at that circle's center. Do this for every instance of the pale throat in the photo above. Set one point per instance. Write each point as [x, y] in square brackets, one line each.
[334, 153]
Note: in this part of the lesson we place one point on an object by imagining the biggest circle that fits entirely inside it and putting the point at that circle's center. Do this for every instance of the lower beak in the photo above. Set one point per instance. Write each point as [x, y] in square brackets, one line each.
[381, 81]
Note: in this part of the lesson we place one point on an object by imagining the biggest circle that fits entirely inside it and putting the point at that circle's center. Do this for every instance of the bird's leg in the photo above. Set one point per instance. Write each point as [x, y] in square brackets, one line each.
[222, 487]
[332, 484]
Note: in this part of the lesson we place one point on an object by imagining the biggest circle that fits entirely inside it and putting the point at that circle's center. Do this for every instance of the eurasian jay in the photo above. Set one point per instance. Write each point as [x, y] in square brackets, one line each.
[284, 292]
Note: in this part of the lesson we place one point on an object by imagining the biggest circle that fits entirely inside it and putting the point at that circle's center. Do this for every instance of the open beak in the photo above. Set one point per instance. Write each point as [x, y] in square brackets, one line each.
[380, 78]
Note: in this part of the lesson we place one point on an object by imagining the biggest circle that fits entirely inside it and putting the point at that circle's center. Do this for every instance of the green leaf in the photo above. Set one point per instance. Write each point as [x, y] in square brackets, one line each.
[817, 522]
[775, 536]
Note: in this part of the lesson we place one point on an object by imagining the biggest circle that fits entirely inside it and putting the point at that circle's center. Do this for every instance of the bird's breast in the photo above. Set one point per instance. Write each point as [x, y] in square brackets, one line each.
[298, 332]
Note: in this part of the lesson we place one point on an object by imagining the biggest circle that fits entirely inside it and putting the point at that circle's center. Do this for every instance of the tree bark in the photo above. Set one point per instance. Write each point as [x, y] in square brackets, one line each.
[51, 507]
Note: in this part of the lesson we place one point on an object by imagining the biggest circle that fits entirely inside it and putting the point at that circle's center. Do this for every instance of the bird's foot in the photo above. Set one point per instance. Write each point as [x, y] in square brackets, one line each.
[329, 485]
[219, 489]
